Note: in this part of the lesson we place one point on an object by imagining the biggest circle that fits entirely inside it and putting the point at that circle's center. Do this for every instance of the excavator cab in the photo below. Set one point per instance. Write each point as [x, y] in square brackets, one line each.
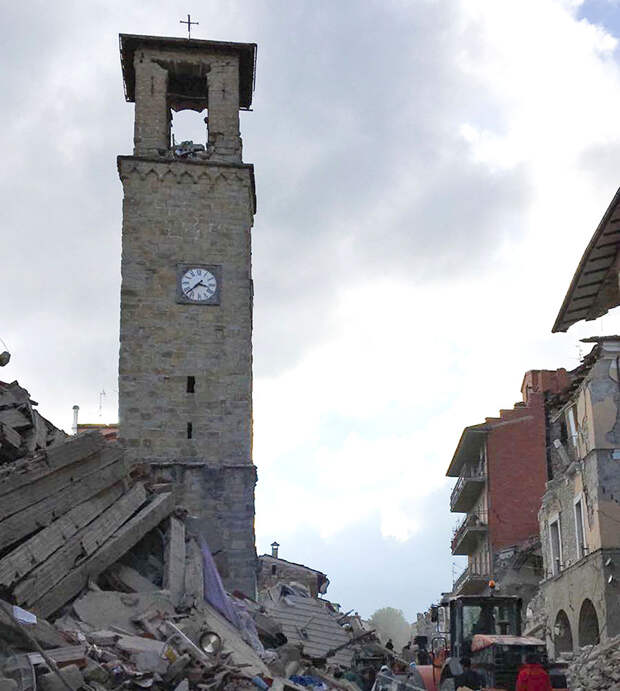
[486, 629]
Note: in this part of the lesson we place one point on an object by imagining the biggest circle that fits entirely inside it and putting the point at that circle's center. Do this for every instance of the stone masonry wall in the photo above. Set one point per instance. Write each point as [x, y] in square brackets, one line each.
[153, 102]
[180, 212]
[184, 212]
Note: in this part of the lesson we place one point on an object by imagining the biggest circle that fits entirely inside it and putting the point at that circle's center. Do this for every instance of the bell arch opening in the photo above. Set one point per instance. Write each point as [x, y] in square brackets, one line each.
[189, 125]
[588, 624]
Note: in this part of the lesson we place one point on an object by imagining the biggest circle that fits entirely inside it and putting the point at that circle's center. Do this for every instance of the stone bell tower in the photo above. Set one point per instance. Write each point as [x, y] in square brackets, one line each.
[185, 371]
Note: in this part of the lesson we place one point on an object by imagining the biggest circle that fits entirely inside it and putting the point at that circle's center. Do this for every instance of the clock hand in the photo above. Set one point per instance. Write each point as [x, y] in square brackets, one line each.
[200, 283]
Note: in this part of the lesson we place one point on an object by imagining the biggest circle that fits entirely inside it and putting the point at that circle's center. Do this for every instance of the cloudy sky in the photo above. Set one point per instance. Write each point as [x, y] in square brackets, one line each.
[428, 174]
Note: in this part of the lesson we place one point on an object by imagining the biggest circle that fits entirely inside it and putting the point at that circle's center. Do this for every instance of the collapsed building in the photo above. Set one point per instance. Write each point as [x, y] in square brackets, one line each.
[103, 583]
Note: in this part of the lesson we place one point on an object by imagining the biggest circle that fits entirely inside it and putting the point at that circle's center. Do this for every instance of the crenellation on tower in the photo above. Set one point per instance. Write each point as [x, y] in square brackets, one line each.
[186, 292]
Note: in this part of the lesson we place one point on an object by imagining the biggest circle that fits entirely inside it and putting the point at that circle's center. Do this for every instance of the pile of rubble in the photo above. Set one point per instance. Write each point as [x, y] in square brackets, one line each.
[103, 585]
[595, 667]
[22, 429]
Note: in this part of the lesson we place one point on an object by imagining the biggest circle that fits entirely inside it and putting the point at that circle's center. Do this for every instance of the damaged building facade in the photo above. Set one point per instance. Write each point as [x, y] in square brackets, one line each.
[185, 371]
[272, 569]
[580, 512]
[501, 469]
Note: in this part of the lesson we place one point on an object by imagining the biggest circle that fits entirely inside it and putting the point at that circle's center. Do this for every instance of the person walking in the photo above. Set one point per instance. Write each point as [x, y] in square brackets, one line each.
[533, 676]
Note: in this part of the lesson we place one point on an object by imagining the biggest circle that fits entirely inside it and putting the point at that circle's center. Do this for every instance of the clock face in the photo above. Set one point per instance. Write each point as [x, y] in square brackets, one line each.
[198, 284]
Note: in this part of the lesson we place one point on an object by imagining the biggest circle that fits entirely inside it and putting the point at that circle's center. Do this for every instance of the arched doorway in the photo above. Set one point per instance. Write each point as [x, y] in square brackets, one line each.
[588, 624]
[562, 636]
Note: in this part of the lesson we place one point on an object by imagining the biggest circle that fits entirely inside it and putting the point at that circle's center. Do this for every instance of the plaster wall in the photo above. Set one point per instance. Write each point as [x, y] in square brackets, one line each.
[567, 592]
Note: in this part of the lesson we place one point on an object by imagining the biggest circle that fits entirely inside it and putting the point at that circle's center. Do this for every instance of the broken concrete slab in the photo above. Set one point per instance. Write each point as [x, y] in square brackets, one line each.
[51, 681]
[102, 637]
[174, 556]
[105, 609]
[194, 573]
[138, 644]
[150, 661]
[130, 579]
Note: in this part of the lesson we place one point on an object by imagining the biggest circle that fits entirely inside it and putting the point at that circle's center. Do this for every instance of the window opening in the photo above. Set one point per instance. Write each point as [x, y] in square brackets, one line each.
[588, 624]
[191, 384]
[579, 529]
[572, 424]
[556, 546]
[189, 430]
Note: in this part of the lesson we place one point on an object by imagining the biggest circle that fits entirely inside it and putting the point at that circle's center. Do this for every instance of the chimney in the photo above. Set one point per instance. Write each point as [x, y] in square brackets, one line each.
[76, 409]
[274, 550]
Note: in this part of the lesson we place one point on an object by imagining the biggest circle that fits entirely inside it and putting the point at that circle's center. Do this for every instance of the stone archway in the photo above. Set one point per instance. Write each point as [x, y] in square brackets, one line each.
[588, 624]
[562, 635]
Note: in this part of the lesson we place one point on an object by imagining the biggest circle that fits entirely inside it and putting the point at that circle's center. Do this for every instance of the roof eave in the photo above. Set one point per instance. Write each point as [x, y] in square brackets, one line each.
[562, 323]
[246, 52]
[459, 457]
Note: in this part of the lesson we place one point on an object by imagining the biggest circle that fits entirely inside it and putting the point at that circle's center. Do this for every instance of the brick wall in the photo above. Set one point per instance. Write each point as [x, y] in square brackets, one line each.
[516, 458]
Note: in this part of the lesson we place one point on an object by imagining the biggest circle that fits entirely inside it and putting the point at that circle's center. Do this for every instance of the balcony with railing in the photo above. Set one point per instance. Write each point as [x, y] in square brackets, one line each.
[467, 489]
[470, 582]
[467, 534]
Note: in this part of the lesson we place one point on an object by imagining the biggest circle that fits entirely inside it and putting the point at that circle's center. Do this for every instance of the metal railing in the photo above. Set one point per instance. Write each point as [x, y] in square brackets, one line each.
[469, 572]
[475, 519]
[472, 474]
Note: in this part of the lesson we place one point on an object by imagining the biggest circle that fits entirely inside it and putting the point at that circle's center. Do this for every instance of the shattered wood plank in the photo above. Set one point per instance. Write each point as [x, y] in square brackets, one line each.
[44, 512]
[174, 556]
[114, 548]
[84, 543]
[30, 494]
[14, 418]
[194, 577]
[9, 436]
[31, 553]
[131, 580]
[75, 449]
[40, 430]
[47, 462]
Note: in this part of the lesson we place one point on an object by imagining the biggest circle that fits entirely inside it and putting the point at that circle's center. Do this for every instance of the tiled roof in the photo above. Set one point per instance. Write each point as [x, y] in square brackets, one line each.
[307, 621]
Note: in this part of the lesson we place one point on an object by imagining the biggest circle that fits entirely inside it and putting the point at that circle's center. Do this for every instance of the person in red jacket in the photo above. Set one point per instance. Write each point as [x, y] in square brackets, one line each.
[533, 676]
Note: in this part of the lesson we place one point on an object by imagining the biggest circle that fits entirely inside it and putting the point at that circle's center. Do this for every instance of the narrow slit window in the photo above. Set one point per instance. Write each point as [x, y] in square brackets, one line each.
[189, 430]
[191, 384]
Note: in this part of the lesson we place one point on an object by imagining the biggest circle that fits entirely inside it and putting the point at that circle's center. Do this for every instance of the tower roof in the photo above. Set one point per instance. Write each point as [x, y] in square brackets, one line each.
[129, 43]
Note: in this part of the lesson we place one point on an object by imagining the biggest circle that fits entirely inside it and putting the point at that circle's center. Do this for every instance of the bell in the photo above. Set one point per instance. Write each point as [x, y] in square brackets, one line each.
[5, 356]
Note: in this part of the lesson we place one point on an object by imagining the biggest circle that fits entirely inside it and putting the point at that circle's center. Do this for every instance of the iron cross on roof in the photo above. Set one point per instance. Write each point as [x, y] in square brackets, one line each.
[189, 23]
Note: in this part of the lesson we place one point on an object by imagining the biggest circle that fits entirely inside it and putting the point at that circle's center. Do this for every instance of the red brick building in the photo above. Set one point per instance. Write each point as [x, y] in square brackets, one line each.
[501, 466]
